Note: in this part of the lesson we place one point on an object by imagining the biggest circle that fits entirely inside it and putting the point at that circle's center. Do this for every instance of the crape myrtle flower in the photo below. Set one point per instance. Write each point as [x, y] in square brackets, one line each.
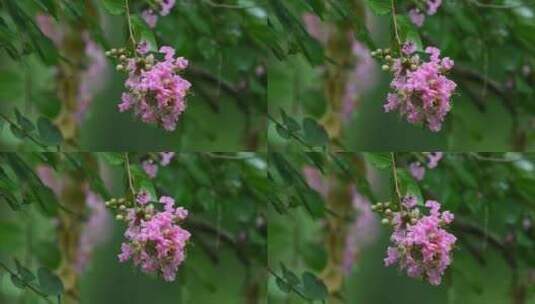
[154, 239]
[421, 245]
[421, 92]
[426, 7]
[156, 92]
[150, 166]
[417, 170]
[150, 15]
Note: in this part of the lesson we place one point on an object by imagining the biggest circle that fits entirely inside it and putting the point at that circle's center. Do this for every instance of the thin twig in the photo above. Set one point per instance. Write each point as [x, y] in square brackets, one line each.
[129, 175]
[128, 19]
[396, 182]
[396, 33]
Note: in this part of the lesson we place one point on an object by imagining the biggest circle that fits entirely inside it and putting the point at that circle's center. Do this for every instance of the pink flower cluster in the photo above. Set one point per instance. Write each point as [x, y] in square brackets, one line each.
[421, 246]
[421, 91]
[429, 7]
[151, 167]
[416, 168]
[154, 239]
[156, 92]
[150, 16]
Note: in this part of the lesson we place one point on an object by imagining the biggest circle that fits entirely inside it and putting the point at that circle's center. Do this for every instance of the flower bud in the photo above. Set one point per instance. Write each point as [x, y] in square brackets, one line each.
[119, 67]
[388, 57]
[388, 211]
[385, 67]
[385, 221]
[119, 217]
[122, 57]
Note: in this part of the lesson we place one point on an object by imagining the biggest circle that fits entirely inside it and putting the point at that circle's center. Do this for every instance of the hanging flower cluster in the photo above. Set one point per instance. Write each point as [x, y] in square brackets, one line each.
[155, 241]
[422, 92]
[422, 8]
[150, 165]
[416, 168]
[150, 15]
[420, 244]
[156, 92]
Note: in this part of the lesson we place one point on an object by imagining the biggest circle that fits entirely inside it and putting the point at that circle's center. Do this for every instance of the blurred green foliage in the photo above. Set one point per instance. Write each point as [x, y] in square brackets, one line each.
[490, 195]
[491, 44]
[225, 194]
[224, 45]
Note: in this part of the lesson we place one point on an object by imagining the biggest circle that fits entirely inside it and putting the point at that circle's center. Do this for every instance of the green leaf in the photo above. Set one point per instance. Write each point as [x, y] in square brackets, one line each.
[24, 273]
[46, 199]
[49, 283]
[314, 133]
[291, 278]
[283, 132]
[291, 124]
[313, 287]
[49, 6]
[17, 132]
[283, 285]
[408, 32]
[142, 32]
[379, 160]
[49, 133]
[114, 7]
[314, 255]
[314, 203]
[113, 158]
[379, 7]
[409, 186]
[17, 282]
[318, 6]
[24, 123]
[48, 254]
[207, 47]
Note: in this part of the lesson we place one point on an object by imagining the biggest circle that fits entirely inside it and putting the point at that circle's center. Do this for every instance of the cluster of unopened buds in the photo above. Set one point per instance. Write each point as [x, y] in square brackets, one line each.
[156, 92]
[387, 210]
[420, 243]
[421, 91]
[154, 239]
